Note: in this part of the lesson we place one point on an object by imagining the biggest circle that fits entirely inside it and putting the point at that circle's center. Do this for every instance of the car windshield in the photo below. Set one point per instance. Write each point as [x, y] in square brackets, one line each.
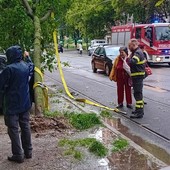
[112, 52]
[163, 33]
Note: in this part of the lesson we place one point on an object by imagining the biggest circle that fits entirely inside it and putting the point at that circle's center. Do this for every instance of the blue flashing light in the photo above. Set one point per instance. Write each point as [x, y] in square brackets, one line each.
[166, 51]
[156, 21]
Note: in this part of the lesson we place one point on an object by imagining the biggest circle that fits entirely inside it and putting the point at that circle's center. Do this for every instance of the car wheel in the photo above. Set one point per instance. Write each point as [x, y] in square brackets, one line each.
[89, 53]
[94, 68]
[107, 70]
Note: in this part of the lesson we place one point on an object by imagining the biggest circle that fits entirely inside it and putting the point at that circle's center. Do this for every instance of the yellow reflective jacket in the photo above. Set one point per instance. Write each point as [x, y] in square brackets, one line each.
[137, 64]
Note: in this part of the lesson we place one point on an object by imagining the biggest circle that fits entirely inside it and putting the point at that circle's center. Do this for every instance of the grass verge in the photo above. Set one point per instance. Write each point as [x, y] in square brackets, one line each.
[80, 121]
[94, 146]
[119, 145]
[84, 121]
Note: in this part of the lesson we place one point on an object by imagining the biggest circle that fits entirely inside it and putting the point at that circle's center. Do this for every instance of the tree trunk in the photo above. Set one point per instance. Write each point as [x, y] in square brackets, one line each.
[38, 93]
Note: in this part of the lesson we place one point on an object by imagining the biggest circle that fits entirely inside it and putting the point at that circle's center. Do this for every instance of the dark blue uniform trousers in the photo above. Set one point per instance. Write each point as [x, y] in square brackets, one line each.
[138, 94]
[23, 142]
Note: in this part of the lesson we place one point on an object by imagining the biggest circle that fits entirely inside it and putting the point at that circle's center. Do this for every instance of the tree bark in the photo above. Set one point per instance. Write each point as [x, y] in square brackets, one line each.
[38, 92]
[39, 99]
[28, 9]
[46, 16]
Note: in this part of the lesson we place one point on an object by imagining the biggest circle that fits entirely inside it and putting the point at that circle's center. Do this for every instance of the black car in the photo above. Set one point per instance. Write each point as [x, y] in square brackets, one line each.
[103, 57]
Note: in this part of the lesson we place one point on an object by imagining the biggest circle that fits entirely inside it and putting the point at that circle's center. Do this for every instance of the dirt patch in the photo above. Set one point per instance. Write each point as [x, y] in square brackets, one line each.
[41, 124]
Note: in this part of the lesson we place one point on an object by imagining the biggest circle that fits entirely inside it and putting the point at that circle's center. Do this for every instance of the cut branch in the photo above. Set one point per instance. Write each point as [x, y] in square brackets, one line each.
[28, 9]
[46, 16]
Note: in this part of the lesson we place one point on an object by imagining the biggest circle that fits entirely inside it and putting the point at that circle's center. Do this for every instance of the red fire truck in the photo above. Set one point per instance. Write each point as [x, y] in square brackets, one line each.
[155, 37]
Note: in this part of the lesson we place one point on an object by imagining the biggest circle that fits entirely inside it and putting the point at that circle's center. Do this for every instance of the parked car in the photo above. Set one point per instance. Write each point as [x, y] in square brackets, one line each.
[103, 57]
[94, 44]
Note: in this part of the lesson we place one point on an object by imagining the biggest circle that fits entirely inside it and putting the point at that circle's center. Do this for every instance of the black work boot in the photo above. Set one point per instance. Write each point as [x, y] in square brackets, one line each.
[17, 159]
[28, 156]
[137, 114]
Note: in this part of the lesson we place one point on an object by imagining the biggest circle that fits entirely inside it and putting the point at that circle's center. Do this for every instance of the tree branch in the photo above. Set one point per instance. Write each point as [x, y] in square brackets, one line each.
[46, 16]
[28, 9]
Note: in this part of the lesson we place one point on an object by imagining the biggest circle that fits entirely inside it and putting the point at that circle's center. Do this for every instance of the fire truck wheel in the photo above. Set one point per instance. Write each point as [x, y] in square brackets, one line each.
[107, 70]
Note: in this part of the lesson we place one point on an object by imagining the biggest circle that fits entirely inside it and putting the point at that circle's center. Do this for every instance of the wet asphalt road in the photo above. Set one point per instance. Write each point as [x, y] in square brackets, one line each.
[98, 87]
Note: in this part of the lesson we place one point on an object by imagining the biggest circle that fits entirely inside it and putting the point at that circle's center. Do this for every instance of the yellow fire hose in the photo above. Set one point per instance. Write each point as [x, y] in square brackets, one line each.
[43, 86]
[65, 84]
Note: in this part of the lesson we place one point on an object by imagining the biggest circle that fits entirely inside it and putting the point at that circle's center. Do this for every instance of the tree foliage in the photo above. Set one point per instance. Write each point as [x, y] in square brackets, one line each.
[15, 26]
[85, 18]
[92, 18]
[142, 10]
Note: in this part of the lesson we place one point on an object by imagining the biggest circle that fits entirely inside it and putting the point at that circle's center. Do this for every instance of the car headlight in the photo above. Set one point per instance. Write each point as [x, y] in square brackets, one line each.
[158, 59]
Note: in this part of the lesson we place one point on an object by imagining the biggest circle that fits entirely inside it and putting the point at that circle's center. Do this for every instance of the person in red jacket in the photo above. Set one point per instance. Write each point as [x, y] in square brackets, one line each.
[123, 79]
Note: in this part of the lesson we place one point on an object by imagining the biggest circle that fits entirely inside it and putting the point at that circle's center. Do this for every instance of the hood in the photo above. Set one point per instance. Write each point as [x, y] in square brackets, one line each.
[14, 54]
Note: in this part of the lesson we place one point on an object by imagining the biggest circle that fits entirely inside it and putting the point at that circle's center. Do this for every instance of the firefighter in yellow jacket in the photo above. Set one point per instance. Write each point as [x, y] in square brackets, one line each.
[137, 64]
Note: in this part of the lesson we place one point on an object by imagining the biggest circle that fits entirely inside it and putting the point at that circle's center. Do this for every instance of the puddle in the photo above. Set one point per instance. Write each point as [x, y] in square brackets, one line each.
[104, 163]
[129, 159]
[158, 152]
[103, 135]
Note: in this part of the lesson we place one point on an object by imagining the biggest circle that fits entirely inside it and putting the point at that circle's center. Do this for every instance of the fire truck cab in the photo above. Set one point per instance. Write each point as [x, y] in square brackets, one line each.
[155, 37]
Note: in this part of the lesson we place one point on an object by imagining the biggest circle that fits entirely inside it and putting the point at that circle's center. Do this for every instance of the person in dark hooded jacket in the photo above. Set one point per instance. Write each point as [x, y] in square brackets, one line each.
[2, 67]
[16, 103]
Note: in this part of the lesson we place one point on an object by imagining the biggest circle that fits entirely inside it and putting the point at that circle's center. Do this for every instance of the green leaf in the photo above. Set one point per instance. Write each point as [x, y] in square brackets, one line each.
[160, 2]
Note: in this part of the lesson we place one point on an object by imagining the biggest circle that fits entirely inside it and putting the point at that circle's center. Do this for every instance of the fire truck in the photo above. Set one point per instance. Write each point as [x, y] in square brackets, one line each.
[155, 37]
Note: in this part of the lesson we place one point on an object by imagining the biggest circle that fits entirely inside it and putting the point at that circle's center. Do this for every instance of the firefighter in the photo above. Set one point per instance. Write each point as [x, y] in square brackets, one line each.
[137, 63]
